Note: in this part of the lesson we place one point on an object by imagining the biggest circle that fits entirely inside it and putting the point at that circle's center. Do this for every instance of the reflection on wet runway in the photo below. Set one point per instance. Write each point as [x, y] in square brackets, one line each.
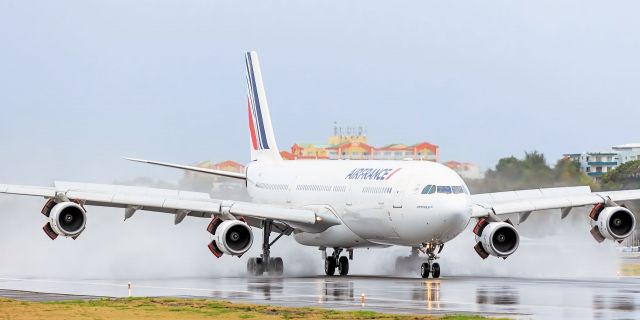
[511, 297]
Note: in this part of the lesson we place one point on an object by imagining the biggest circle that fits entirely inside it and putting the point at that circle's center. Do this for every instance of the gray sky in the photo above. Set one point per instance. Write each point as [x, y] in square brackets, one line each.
[84, 83]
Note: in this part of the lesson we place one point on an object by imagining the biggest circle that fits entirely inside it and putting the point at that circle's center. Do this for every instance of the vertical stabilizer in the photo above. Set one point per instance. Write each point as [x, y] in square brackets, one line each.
[263, 142]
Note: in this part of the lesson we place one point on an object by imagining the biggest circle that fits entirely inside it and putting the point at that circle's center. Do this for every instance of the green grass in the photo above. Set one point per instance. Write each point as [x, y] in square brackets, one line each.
[171, 308]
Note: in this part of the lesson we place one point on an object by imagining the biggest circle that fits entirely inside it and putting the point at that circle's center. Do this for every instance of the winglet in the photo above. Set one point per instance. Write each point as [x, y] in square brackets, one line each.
[228, 174]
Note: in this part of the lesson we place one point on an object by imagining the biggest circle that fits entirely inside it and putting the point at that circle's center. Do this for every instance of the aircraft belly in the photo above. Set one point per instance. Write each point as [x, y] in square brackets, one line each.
[336, 236]
[370, 223]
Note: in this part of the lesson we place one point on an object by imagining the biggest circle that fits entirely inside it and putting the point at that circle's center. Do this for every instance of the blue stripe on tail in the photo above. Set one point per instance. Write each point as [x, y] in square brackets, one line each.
[256, 102]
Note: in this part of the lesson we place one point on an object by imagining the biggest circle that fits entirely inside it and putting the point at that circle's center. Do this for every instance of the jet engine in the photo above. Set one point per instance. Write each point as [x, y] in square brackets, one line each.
[233, 237]
[67, 219]
[499, 239]
[613, 223]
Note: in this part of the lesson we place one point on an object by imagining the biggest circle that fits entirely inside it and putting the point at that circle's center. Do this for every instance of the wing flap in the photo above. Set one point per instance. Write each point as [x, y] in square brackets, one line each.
[193, 205]
[306, 216]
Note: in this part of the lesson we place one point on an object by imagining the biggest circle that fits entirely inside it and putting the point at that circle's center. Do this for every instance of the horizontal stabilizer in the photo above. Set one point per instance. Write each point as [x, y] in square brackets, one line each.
[228, 174]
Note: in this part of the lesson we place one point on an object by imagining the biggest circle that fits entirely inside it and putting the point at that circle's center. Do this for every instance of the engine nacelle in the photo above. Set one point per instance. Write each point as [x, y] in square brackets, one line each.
[233, 237]
[613, 223]
[67, 219]
[499, 239]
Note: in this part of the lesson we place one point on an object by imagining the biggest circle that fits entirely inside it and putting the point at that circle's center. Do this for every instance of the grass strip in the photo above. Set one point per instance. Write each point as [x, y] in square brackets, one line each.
[168, 308]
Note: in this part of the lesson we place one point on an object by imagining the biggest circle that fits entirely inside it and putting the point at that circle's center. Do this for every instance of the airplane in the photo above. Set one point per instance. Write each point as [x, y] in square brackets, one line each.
[340, 205]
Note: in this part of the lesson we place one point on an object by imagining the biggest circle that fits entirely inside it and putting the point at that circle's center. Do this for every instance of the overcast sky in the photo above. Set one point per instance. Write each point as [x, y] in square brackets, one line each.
[84, 83]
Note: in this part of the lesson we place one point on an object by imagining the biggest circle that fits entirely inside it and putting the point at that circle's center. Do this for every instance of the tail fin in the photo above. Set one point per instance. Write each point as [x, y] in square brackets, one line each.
[263, 142]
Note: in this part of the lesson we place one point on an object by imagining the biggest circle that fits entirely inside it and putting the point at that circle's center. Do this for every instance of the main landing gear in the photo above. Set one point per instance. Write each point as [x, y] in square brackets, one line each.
[406, 264]
[336, 261]
[265, 263]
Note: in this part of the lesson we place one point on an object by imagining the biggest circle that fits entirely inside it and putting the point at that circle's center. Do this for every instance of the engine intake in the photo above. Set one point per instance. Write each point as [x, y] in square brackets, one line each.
[499, 239]
[233, 237]
[67, 219]
[613, 223]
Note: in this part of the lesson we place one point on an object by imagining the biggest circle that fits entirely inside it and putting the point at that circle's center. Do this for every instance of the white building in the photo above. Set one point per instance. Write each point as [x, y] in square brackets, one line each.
[596, 164]
[627, 152]
[466, 170]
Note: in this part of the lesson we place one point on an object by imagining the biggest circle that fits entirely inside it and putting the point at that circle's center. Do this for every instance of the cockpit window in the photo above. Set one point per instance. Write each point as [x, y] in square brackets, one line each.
[429, 189]
[458, 189]
[444, 189]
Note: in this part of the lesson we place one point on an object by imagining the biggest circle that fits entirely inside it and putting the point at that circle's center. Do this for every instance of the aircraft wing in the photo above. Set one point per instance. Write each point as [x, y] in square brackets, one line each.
[527, 201]
[179, 203]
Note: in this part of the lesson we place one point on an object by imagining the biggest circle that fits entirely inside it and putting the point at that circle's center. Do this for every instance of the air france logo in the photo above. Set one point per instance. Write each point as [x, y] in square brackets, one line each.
[371, 174]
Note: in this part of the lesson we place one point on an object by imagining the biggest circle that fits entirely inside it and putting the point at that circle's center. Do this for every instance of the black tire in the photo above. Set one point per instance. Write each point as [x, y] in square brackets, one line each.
[424, 270]
[330, 266]
[343, 266]
[276, 267]
[435, 270]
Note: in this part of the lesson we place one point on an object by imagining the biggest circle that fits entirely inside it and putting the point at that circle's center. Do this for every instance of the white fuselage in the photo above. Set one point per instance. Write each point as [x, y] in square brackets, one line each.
[380, 203]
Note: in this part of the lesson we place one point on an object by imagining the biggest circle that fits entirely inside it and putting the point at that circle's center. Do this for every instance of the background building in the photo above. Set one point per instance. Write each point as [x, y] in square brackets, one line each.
[216, 186]
[596, 164]
[224, 165]
[627, 152]
[352, 143]
[466, 170]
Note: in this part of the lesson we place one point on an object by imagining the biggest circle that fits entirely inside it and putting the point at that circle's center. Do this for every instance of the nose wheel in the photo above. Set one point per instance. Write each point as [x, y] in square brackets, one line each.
[335, 261]
[427, 268]
[431, 267]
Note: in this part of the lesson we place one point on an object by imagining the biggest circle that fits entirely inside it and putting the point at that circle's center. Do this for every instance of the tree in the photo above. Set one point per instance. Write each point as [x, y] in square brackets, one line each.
[567, 173]
[625, 176]
[531, 172]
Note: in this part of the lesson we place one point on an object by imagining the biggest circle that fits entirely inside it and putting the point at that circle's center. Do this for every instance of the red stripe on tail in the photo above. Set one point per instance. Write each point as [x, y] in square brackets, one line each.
[252, 129]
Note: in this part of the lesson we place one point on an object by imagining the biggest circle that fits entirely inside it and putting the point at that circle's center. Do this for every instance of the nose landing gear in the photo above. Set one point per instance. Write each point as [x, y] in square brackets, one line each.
[430, 266]
[336, 261]
[406, 264]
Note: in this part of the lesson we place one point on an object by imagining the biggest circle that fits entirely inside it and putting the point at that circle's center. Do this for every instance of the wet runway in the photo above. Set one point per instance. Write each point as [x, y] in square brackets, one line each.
[510, 297]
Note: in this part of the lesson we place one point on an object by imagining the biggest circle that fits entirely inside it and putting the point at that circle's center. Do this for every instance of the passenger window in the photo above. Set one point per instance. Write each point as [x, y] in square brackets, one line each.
[458, 189]
[444, 189]
[429, 189]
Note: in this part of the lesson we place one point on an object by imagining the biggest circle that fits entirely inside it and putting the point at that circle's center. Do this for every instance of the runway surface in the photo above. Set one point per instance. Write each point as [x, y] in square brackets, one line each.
[510, 297]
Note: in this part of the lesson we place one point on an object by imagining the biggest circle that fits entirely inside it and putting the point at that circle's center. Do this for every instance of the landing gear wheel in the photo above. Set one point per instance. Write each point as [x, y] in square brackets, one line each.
[424, 270]
[264, 263]
[255, 266]
[435, 270]
[330, 266]
[276, 266]
[343, 266]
